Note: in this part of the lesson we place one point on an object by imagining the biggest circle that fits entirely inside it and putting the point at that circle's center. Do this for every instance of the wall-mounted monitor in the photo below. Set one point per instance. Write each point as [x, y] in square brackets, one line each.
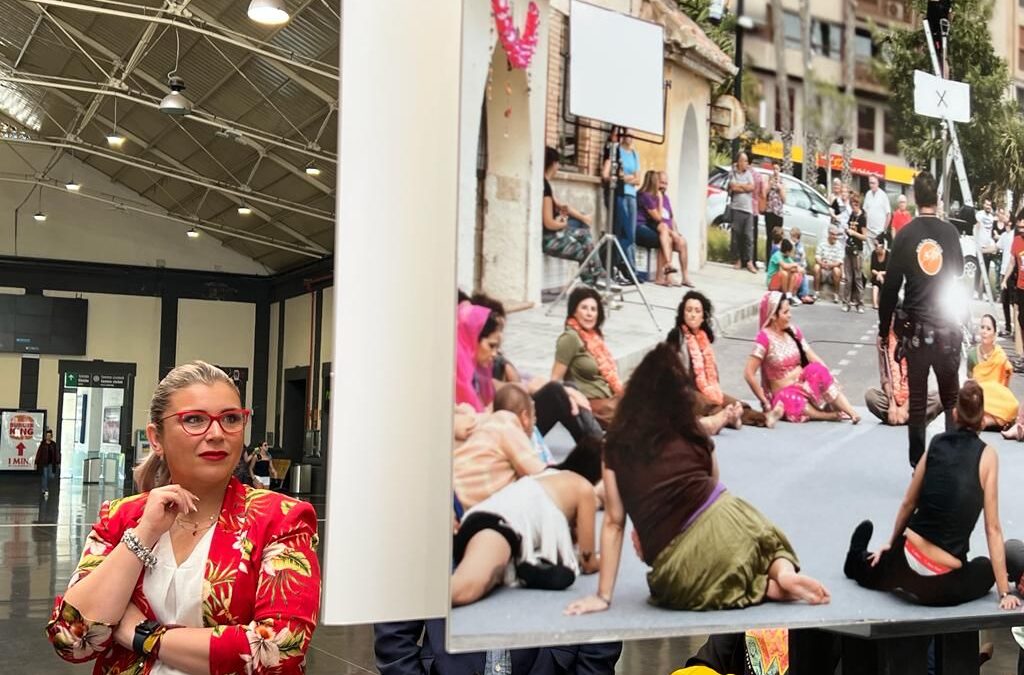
[38, 324]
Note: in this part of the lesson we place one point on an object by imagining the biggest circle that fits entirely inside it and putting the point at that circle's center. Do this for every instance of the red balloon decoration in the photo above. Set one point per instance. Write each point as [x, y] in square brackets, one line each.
[518, 47]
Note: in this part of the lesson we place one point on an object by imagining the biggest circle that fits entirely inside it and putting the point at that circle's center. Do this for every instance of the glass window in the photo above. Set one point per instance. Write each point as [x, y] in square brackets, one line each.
[791, 28]
[1020, 94]
[890, 145]
[827, 39]
[862, 46]
[866, 127]
[795, 195]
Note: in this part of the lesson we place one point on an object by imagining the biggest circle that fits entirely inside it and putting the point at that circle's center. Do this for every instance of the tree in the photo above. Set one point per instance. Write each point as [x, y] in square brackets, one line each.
[723, 35]
[810, 163]
[782, 109]
[849, 81]
[993, 142]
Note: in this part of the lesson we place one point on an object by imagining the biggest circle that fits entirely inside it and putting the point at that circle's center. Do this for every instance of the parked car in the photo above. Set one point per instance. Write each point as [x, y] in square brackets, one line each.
[805, 208]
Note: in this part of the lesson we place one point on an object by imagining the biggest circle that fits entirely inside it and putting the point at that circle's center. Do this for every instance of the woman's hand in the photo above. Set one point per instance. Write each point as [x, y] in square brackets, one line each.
[124, 633]
[162, 506]
[1009, 602]
[587, 605]
[577, 400]
[877, 555]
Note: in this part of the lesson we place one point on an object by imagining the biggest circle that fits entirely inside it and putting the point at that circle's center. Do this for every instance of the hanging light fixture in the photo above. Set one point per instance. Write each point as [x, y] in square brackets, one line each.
[114, 139]
[40, 216]
[192, 233]
[175, 102]
[268, 12]
[72, 186]
[312, 169]
[244, 209]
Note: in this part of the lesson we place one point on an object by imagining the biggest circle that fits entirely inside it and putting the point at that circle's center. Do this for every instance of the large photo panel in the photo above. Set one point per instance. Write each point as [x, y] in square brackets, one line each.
[659, 428]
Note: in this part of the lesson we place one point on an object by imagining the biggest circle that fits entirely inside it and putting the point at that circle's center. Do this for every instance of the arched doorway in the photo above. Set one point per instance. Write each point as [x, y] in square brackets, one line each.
[691, 190]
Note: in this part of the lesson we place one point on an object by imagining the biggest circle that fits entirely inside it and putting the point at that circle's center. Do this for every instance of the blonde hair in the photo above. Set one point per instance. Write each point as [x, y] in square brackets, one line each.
[153, 472]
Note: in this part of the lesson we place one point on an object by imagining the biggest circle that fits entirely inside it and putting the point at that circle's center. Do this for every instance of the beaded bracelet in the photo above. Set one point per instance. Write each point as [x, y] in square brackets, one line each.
[133, 544]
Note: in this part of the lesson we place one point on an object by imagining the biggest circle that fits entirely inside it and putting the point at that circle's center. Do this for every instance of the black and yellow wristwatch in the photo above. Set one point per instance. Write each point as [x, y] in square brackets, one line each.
[147, 635]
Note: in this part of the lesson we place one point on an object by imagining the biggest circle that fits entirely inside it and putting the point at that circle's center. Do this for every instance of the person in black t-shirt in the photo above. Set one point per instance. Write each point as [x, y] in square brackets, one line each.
[856, 235]
[926, 254]
[567, 232]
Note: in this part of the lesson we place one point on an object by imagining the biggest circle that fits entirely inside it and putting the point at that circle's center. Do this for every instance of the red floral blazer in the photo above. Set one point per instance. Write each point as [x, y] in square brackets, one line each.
[261, 593]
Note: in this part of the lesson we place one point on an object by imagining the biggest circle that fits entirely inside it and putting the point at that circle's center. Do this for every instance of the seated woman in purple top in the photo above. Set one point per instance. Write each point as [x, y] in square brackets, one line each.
[656, 228]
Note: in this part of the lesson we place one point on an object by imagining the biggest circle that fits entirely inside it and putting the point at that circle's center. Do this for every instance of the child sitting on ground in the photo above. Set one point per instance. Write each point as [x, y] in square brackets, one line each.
[784, 274]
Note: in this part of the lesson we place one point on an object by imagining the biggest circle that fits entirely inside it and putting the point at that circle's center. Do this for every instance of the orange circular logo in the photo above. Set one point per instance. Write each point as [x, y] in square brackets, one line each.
[929, 257]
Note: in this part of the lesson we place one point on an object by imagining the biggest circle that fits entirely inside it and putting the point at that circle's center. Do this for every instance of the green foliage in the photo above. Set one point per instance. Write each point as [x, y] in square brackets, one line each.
[993, 142]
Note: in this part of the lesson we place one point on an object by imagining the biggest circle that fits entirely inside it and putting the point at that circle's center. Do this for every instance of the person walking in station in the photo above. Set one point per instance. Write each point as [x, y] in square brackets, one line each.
[927, 256]
[47, 462]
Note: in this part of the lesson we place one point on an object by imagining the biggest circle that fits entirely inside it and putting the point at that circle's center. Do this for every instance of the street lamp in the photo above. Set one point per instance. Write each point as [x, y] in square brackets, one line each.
[737, 88]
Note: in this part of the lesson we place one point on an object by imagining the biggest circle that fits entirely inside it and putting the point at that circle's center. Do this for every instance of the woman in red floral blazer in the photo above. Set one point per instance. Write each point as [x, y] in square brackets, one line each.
[198, 573]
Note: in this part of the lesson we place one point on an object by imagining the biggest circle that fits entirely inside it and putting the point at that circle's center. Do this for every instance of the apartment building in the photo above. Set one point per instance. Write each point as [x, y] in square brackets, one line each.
[1007, 28]
[875, 148]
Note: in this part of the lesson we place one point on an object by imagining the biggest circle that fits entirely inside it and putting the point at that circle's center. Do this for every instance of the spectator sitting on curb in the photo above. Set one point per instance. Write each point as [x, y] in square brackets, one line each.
[784, 274]
[800, 258]
[828, 264]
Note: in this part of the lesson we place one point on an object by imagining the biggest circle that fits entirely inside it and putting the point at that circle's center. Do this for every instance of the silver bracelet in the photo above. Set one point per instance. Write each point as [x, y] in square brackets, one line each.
[132, 543]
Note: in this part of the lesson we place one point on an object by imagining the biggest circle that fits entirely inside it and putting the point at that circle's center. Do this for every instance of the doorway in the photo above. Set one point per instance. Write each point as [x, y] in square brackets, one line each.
[95, 410]
[293, 418]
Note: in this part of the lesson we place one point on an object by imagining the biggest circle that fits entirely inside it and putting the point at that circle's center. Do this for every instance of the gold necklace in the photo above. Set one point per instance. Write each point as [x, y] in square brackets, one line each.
[195, 527]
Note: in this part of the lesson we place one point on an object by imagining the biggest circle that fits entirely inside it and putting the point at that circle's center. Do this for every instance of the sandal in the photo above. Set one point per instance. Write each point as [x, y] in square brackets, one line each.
[669, 269]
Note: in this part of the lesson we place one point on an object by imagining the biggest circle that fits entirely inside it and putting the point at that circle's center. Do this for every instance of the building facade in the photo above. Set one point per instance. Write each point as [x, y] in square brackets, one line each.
[875, 150]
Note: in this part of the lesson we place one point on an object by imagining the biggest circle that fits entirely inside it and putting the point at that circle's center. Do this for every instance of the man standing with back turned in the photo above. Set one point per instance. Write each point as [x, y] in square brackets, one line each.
[926, 253]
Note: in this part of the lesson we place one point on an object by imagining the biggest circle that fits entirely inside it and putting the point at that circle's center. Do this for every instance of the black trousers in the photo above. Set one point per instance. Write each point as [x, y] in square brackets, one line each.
[771, 223]
[1005, 297]
[942, 356]
[552, 404]
[892, 573]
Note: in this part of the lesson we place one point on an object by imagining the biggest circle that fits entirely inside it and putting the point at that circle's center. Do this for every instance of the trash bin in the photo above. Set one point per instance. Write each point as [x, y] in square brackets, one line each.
[110, 469]
[299, 478]
[92, 467]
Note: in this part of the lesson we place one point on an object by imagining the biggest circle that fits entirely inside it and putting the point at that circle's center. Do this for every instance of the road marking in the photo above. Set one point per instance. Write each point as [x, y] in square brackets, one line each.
[852, 352]
[858, 346]
[837, 373]
[844, 362]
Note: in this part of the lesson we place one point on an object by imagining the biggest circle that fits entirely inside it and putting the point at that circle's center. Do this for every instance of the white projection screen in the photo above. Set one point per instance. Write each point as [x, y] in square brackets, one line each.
[616, 68]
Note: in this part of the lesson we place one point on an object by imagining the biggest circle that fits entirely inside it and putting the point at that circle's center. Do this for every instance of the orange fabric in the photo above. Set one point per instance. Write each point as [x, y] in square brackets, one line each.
[703, 366]
[599, 350]
[261, 587]
[775, 284]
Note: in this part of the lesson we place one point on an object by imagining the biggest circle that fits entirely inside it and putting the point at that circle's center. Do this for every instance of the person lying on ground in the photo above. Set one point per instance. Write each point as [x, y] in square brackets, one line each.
[521, 535]
[708, 549]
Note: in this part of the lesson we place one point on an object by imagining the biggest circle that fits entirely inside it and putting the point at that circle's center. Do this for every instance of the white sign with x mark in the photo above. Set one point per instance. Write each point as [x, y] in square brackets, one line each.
[945, 99]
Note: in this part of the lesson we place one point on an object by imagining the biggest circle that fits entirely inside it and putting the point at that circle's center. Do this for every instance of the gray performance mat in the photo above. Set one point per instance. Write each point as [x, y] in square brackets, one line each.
[816, 481]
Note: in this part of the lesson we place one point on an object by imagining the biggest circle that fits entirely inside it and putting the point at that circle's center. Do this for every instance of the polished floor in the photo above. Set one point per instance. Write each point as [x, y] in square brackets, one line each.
[41, 539]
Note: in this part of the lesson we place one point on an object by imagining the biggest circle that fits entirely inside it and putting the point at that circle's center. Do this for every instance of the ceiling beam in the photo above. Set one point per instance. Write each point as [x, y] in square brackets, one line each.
[319, 70]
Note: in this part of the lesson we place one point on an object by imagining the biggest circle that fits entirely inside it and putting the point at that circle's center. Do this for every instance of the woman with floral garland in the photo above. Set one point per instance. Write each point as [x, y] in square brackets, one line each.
[196, 573]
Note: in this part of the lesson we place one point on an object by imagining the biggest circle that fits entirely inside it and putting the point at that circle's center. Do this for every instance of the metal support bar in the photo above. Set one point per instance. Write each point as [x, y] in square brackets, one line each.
[195, 179]
[193, 28]
[28, 40]
[198, 223]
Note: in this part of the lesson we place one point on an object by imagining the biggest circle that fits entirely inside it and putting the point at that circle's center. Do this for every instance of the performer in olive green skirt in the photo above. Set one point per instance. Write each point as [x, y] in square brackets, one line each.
[707, 548]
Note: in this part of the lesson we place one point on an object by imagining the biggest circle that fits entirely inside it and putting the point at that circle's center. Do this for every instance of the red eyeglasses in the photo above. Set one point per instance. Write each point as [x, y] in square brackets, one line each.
[198, 422]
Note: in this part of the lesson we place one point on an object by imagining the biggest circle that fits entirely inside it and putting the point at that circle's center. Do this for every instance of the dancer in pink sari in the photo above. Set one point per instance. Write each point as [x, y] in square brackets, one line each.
[791, 373]
[478, 338]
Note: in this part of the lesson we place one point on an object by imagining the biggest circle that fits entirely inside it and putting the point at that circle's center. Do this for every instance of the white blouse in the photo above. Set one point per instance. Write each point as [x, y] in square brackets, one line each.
[175, 592]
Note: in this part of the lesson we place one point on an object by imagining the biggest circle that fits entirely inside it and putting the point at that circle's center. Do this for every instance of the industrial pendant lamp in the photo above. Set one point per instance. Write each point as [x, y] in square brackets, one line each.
[192, 233]
[175, 102]
[312, 169]
[244, 209]
[114, 139]
[268, 12]
[72, 186]
[40, 216]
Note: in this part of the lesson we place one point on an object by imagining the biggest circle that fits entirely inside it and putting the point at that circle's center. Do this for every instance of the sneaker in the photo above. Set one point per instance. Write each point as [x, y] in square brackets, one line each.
[604, 284]
[545, 575]
[860, 309]
[621, 279]
[846, 308]
[1005, 334]
[46, 494]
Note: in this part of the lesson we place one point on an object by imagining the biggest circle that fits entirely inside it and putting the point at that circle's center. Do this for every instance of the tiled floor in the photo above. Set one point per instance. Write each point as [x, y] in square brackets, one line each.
[40, 541]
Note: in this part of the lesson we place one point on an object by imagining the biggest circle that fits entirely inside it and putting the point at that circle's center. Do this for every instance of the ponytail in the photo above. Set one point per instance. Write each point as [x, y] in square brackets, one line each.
[152, 473]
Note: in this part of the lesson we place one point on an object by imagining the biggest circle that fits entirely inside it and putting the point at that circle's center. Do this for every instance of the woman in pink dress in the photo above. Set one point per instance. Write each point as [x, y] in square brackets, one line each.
[791, 373]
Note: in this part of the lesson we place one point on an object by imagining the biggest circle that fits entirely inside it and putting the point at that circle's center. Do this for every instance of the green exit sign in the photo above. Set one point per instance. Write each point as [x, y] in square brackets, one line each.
[70, 379]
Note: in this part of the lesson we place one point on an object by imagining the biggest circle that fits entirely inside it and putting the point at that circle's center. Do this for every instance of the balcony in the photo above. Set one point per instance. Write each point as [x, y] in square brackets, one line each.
[885, 11]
